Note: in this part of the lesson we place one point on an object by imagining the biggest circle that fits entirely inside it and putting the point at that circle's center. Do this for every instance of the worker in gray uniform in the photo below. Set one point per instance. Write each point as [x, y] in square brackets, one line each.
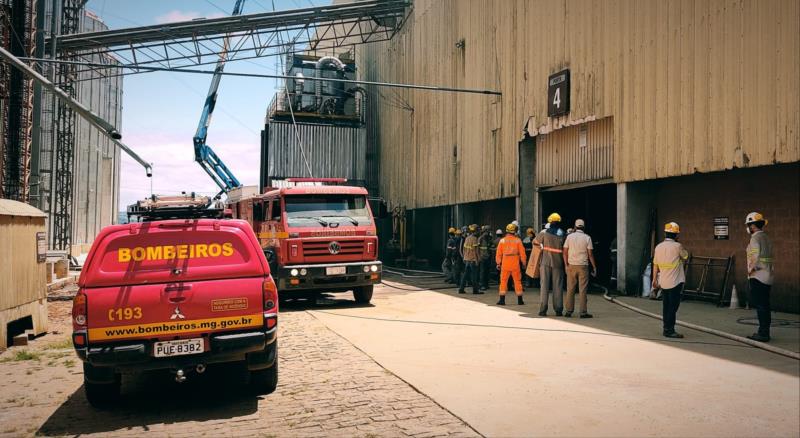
[552, 266]
[759, 273]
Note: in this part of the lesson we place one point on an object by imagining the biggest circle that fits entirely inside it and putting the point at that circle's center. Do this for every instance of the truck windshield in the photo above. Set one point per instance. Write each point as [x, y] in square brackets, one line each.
[327, 210]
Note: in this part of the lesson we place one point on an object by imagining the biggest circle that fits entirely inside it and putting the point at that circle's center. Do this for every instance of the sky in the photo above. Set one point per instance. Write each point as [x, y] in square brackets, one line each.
[161, 110]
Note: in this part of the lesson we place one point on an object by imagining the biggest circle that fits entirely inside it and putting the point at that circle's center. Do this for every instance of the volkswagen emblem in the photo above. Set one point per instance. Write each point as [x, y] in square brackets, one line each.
[334, 248]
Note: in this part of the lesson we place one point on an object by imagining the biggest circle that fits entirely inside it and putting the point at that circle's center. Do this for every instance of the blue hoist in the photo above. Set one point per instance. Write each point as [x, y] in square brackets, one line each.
[203, 153]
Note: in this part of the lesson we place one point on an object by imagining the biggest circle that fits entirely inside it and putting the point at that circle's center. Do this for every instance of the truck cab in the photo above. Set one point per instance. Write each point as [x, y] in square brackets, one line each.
[317, 238]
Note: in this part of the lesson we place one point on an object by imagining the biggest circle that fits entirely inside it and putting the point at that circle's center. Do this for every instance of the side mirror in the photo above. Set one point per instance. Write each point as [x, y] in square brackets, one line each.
[379, 208]
[383, 210]
[258, 211]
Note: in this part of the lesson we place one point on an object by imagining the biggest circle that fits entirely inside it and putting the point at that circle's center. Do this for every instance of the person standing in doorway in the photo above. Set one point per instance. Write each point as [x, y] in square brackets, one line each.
[577, 257]
[498, 236]
[447, 264]
[470, 254]
[759, 273]
[669, 275]
[552, 265]
[485, 256]
[527, 242]
[457, 261]
[510, 257]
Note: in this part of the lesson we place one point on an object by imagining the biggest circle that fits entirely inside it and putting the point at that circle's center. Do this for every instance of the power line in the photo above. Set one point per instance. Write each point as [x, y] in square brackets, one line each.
[269, 76]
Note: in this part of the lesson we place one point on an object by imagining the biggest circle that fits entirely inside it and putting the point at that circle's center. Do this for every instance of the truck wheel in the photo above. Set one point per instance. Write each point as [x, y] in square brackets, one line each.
[102, 395]
[263, 382]
[363, 294]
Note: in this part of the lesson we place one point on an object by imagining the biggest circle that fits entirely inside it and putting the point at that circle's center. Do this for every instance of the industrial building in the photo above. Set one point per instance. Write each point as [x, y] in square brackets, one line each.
[629, 114]
[51, 158]
[317, 128]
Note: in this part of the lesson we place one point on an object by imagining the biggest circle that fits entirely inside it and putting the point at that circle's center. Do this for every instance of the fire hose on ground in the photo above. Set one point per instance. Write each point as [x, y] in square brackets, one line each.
[743, 340]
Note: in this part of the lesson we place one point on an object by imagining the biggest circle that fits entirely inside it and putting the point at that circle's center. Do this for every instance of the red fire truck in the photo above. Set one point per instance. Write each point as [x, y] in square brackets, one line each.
[317, 236]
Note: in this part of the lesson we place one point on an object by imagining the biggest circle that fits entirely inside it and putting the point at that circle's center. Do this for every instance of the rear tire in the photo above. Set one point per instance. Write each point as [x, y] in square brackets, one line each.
[363, 294]
[263, 382]
[102, 395]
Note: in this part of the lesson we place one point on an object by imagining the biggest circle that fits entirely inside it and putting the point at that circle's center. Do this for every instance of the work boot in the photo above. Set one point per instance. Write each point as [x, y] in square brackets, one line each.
[462, 291]
[543, 313]
[558, 314]
[502, 300]
[519, 301]
[567, 314]
[586, 315]
[759, 337]
[673, 335]
[477, 292]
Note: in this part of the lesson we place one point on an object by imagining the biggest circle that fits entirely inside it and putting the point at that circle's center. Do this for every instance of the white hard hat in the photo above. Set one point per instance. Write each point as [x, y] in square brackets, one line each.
[499, 231]
[754, 217]
[579, 223]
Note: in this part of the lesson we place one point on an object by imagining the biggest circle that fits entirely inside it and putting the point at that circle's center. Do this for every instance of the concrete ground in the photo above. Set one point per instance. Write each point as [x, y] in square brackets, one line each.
[421, 361]
[508, 372]
[785, 329]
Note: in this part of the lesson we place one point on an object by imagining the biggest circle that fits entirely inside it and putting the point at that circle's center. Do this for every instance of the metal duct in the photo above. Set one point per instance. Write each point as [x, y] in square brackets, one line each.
[360, 96]
[321, 64]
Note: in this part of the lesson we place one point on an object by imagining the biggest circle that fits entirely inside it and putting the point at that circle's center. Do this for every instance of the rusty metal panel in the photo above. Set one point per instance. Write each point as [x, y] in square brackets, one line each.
[576, 154]
[331, 151]
[691, 87]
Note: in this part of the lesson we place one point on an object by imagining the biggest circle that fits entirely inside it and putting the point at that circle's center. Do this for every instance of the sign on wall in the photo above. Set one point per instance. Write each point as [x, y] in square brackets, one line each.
[41, 247]
[558, 94]
[720, 228]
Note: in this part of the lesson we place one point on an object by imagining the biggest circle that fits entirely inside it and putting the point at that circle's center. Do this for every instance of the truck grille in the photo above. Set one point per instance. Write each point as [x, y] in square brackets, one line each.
[321, 249]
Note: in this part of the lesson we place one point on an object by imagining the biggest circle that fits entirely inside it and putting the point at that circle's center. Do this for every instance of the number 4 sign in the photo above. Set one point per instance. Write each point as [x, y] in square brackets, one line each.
[558, 94]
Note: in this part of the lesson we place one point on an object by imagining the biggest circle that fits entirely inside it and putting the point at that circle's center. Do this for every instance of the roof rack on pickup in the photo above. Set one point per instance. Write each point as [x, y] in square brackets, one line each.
[184, 206]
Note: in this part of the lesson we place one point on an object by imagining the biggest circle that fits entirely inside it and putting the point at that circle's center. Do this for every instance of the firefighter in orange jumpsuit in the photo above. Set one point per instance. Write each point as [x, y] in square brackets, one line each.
[509, 257]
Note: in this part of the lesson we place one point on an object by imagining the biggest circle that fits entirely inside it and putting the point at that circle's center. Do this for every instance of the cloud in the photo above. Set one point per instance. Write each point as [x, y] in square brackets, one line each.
[174, 168]
[176, 15]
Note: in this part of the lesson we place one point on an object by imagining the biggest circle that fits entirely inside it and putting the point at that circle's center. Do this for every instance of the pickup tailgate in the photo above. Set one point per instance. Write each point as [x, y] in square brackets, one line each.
[174, 310]
[173, 279]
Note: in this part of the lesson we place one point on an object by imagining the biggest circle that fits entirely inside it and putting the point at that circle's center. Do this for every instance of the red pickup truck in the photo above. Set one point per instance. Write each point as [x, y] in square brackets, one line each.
[175, 295]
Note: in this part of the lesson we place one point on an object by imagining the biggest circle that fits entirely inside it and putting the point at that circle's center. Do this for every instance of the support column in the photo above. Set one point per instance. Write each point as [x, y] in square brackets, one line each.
[634, 203]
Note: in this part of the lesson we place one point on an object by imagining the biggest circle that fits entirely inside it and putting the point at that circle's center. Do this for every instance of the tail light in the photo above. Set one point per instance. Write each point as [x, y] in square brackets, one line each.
[79, 311]
[270, 293]
[79, 320]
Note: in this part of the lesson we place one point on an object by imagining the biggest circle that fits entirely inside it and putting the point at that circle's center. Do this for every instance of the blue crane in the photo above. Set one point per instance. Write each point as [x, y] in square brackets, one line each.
[203, 153]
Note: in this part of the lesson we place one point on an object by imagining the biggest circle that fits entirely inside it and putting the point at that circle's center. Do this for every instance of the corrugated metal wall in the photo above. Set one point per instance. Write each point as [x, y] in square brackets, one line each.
[97, 160]
[692, 86]
[96, 183]
[575, 154]
[331, 151]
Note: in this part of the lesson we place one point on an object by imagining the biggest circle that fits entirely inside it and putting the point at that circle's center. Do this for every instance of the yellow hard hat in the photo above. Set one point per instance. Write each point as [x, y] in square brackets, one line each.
[511, 228]
[555, 217]
[672, 227]
[472, 228]
[529, 231]
[457, 232]
[754, 217]
[451, 230]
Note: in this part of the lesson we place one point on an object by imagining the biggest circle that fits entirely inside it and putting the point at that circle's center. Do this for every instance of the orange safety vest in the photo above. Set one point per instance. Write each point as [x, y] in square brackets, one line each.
[510, 252]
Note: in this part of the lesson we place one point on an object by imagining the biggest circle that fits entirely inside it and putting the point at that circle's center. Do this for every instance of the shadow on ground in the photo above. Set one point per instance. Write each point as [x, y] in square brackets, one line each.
[319, 301]
[613, 320]
[155, 398]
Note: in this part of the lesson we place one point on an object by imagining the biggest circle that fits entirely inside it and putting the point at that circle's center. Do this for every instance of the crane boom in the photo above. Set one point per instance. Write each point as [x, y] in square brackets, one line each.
[203, 153]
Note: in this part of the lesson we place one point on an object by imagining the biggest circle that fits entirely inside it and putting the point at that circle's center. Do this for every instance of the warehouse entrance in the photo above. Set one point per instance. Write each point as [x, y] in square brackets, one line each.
[595, 204]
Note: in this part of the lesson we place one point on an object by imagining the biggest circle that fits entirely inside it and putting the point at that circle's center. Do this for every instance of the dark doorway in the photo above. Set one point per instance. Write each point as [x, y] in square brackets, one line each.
[597, 205]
